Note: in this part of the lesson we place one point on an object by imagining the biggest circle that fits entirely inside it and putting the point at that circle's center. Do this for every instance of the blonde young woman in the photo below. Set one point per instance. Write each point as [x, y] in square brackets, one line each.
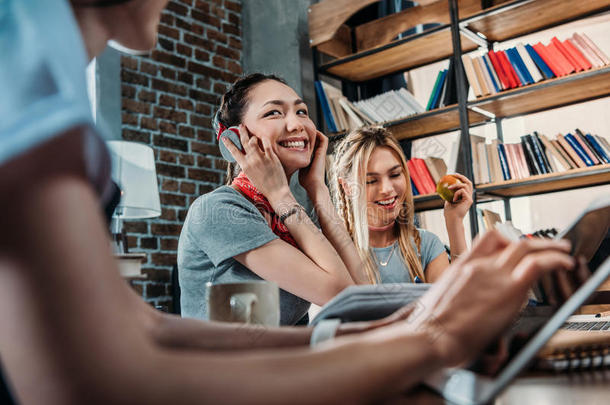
[372, 191]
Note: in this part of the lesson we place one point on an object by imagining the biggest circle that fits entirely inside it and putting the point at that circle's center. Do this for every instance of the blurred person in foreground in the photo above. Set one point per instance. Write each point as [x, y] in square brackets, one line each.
[72, 330]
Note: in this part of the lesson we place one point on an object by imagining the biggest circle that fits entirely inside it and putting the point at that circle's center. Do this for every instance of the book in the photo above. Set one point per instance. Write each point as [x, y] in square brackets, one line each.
[512, 162]
[579, 150]
[449, 96]
[570, 151]
[436, 90]
[552, 149]
[486, 76]
[420, 166]
[415, 178]
[529, 63]
[520, 155]
[604, 143]
[539, 150]
[542, 66]
[483, 162]
[504, 162]
[485, 90]
[566, 54]
[529, 156]
[499, 70]
[600, 150]
[509, 68]
[546, 154]
[436, 167]
[571, 163]
[585, 50]
[546, 57]
[476, 159]
[495, 172]
[566, 66]
[581, 59]
[411, 100]
[519, 66]
[492, 73]
[358, 122]
[413, 188]
[580, 138]
[328, 117]
[594, 47]
[471, 75]
[490, 219]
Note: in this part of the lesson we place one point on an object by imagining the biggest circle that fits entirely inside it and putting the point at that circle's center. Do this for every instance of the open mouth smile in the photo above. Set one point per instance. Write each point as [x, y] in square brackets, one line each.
[387, 204]
[294, 144]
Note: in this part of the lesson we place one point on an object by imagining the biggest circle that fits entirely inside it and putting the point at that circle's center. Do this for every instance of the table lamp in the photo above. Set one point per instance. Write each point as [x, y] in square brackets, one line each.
[133, 169]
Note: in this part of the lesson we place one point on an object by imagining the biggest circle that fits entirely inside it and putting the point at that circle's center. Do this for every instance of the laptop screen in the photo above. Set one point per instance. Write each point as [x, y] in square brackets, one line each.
[589, 235]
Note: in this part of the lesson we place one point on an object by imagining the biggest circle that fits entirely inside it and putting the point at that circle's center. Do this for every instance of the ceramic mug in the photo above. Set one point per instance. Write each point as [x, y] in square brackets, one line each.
[254, 302]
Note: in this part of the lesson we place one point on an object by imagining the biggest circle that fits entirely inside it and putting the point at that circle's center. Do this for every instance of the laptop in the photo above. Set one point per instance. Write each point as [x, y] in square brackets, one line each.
[467, 386]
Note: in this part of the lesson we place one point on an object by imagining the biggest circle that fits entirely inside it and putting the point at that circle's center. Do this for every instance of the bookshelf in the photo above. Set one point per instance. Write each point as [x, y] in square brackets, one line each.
[358, 54]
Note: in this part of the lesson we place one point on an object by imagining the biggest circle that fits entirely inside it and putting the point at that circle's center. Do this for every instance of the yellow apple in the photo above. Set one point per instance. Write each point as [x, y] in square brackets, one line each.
[442, 188]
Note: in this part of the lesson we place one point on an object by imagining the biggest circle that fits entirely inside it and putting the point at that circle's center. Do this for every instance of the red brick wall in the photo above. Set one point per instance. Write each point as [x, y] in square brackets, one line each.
[168, 100]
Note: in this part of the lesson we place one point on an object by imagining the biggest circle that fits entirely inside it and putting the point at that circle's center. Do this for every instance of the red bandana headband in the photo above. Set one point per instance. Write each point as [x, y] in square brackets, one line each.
[221, 129]
[260, 201]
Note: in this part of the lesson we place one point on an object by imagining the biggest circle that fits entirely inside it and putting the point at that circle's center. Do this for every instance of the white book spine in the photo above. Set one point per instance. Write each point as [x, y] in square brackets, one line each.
[529, 63]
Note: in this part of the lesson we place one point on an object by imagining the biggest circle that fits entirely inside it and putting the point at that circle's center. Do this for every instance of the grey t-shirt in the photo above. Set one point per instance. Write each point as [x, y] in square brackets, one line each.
[397, 271]
[219, 226]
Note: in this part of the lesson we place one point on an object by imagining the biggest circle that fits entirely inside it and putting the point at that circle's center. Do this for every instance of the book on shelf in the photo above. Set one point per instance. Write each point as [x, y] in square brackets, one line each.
[476, 159]
[437, 168]
[490, 219]
[436, 90]
[530, 157]
[413, 188]
[580, 138]
[570, 151]
[560, 162]
[597, 146]
[324, 103]
[520, 155]
[547, 155]
[483, 163]
[504, 162]
[571, 140]
[540, 155]
[494, 161]
[421, 178]
[525, 64]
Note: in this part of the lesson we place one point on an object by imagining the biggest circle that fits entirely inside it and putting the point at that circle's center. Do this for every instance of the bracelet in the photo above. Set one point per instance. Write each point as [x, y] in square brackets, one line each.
[290, 212]
[324, 330]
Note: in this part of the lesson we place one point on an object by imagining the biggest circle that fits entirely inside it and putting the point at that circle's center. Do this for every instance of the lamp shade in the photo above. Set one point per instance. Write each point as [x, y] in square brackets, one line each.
[133, 169]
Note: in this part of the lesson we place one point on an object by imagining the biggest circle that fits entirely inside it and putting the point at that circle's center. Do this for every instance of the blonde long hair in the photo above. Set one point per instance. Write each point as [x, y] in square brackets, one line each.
[349, 166]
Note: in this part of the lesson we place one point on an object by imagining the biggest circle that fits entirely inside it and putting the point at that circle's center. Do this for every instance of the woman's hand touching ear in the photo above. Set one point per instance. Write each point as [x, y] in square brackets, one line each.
[312, 176]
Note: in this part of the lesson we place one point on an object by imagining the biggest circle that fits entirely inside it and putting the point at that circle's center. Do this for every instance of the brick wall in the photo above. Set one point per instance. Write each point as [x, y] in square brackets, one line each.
[168, 100]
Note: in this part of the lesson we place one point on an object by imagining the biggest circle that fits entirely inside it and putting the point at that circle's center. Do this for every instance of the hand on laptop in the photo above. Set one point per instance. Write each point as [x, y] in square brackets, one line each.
[480, 294]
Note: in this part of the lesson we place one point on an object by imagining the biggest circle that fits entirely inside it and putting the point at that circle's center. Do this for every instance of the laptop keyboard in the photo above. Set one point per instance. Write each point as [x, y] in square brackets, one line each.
[601, 325]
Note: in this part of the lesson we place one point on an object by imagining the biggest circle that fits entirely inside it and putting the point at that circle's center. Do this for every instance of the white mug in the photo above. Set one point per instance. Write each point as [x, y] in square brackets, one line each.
[254, 302]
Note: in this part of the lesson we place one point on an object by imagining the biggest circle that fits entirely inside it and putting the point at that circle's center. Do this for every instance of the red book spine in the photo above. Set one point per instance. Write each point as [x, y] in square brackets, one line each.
[576, 54]
[541, 50]
[566, 66]
[564, 52]
[512, 75]
[419, 185]
[499, 70]
[425, 174]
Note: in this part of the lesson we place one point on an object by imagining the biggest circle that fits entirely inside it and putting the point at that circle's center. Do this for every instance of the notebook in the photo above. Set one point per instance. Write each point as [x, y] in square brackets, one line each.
[536, 330]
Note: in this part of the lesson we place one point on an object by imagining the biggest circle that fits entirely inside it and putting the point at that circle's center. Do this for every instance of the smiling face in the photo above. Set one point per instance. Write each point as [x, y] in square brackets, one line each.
[386, 187]
[274, 111]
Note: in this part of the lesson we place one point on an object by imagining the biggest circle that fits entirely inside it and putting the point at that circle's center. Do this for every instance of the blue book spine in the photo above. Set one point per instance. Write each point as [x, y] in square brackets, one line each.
[439, 90]
[598, 148]
[578, 149]
[491, 74]
[414, 189]
[520, 68]
[540, 155]
[542, 66]
[503, 162]
[328, 116]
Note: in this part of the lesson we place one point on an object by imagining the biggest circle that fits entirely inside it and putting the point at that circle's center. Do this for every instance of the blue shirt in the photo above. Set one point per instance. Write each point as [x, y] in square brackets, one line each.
[396, 270]
[42, 74]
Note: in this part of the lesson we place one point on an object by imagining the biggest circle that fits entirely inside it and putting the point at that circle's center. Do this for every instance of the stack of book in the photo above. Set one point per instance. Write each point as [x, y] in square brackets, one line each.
[342, 115]
[425, 174]
[495, 71]
[536, 154]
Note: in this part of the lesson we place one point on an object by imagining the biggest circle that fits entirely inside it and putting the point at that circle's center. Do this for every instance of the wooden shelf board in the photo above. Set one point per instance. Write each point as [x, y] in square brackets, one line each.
[428, 202]
[546, 183]
[520, 17]
[557, 92]
[432, 122]
[416, 50]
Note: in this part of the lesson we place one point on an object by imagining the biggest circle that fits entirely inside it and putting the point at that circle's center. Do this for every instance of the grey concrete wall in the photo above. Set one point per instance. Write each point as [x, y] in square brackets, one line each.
[276, 40]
